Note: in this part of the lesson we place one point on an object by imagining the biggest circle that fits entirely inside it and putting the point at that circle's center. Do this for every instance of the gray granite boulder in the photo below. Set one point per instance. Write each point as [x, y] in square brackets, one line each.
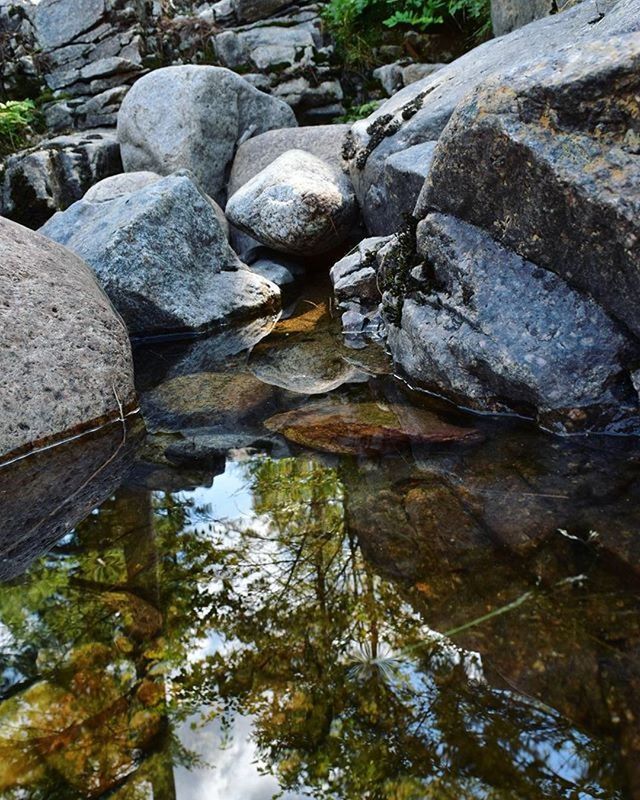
[128, 182]
[548, 161]
[163, 257]
[41, 180]
[298, 204]
[323, 141]
[194, 117]
[420, 112]
[66, 360]
[492, 331]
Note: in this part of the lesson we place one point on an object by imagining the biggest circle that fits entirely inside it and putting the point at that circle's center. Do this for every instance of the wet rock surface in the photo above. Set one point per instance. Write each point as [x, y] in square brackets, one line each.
[66, 358]
[164, 278]
[493, 331]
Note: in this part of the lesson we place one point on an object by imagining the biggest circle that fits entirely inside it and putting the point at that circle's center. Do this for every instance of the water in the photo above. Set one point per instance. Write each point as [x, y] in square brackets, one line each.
[307, 582]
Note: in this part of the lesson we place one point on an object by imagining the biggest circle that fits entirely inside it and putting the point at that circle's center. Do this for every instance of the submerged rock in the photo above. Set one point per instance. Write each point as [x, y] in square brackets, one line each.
[66, 360]
[194, 117]
[492, 331]
[336, 426]
[163, 257]
[298, 205]
[37, 182]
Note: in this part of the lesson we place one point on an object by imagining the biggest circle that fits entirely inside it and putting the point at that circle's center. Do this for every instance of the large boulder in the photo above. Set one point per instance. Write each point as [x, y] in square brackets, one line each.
[37, 182]
[420, 112]
[66, 360]
[548, 161]
[323, 141]
[162, 255]
[194, 117]
[298, 204]
[494, 332]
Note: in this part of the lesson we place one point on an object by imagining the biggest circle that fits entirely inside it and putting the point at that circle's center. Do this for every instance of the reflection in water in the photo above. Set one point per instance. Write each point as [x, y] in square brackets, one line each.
[234, 642]
[359, 596]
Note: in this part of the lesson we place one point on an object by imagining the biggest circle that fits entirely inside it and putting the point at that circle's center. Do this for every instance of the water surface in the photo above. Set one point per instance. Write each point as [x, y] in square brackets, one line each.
[306, 581]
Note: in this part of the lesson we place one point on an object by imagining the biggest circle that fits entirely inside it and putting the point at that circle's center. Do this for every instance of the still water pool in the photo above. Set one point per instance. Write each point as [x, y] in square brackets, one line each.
[306, 581]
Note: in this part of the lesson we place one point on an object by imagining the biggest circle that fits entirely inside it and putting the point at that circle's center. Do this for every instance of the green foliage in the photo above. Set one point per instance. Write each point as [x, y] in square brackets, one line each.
[16, 120]
[357, 25]
[360, 112]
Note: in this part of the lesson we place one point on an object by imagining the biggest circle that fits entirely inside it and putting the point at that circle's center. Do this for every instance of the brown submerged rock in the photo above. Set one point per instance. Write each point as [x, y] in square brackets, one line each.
[366, 428]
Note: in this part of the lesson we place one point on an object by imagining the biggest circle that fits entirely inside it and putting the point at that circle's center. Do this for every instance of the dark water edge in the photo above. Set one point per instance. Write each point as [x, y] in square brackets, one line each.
[307, 581]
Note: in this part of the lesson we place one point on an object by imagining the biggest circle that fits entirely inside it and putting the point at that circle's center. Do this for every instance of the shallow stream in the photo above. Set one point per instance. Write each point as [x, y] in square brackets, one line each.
[307, 580]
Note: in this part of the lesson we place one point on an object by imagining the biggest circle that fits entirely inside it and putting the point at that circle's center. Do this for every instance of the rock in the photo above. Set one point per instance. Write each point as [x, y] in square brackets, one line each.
[355, 277]
[492, 331]
[194, 117]
[66, 359]
[60, 21]
[129, 182]
[297, 205]
[284, 272]
[162, 255]
[323, 141]
[390, 76]
[55, 173]
[252, 10]
[507, 15]
[364, 428]
[559, 181]
[416, 72]
[118, 185]
[393, 201]
[19, 71]
[419, 113]
[303, 365]
[211, 400]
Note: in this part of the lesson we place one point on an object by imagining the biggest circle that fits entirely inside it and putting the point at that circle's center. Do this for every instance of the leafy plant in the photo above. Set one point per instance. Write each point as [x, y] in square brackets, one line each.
[16, 119]
[360, 112]
[358, 24]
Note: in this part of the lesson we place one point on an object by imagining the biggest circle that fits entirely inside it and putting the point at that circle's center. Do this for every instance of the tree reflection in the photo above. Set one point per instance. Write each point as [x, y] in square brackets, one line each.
[154, 610]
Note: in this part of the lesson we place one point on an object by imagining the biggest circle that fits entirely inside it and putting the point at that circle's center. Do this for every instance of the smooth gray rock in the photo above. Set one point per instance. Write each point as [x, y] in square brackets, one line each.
[297, 205]
[46, 178]
[419, 113]
[163, 257]
[323, 141]
[492, 331]
[390, 76]
[194, 117]
[66, 360]
[548, 161]
[417, 72]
